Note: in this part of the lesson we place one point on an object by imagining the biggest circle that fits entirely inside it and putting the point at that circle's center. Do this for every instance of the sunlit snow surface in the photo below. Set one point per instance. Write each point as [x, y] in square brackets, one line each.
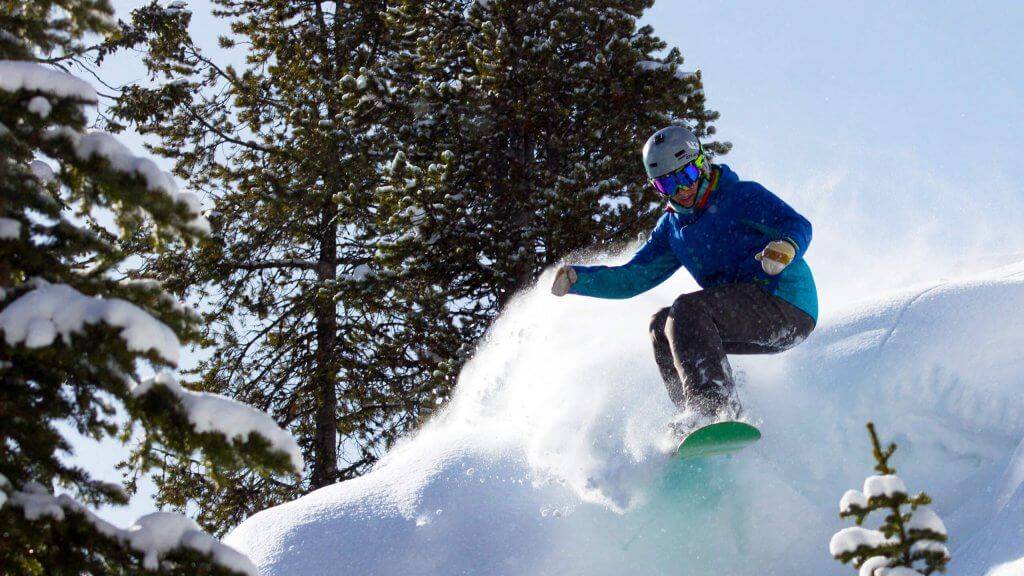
[551, 459]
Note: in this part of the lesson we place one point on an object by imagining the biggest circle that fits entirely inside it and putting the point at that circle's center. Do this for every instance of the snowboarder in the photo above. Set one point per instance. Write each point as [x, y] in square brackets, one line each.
[743, 245]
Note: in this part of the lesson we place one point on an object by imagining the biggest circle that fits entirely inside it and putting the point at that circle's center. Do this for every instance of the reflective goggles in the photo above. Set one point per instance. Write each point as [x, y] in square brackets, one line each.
[681, 178]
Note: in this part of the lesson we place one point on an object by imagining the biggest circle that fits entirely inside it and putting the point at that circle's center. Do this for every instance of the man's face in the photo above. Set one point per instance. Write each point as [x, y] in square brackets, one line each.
[685, 197]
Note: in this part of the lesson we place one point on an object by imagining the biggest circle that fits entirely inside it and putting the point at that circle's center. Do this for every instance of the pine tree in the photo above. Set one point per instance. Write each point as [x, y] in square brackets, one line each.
[289, 147]
[509, 135]
[908, 543]
[519, 145]
[75, 331]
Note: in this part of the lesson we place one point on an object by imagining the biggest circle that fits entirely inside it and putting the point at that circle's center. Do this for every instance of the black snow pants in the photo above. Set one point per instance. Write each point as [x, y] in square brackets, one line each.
[692, 337]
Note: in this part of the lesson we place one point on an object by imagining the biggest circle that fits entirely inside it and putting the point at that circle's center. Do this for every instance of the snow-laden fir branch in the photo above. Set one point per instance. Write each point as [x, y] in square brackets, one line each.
[153, 535]
[51, 311]
[222, 415]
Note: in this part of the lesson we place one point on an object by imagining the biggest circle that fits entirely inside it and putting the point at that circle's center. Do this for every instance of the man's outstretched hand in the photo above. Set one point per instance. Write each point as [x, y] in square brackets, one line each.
[564, 279]
[776, 256]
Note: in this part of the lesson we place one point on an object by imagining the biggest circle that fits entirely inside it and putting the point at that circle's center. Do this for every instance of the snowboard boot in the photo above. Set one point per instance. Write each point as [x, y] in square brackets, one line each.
[684, 423]
[721, 406]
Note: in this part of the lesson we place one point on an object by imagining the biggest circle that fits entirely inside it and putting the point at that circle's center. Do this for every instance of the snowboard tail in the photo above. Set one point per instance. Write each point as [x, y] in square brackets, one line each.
[717, 439]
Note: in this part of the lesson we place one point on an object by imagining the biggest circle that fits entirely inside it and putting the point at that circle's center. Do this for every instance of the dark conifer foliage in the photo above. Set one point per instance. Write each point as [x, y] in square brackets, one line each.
[387, 175]
[288, 146]
[75, 333]
[520, 143]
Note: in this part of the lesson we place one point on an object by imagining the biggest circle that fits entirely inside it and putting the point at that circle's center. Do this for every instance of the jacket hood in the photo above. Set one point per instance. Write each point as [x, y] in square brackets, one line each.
[726, 176]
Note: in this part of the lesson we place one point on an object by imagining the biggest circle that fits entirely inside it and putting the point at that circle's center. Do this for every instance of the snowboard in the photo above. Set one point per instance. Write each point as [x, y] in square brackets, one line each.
[717, 439]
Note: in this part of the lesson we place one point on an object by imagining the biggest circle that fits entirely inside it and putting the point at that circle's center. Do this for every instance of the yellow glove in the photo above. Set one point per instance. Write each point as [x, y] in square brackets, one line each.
[776, 256]
[564, 279]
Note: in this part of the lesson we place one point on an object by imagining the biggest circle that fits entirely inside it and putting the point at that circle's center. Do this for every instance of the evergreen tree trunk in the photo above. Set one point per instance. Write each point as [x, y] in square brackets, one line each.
[508, 134]
[325, 458]
[289, 148]
[520, 215]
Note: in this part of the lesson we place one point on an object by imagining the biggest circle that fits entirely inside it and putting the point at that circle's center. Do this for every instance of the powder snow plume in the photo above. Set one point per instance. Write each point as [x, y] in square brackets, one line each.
[552, 456]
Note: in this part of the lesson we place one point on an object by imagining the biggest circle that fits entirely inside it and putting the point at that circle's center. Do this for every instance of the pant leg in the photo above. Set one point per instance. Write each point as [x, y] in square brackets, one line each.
[768, 325]
[663, 358]
[700, 328]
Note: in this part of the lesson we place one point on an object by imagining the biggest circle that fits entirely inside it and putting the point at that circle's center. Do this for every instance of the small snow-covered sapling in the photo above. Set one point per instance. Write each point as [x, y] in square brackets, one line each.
[910, 542]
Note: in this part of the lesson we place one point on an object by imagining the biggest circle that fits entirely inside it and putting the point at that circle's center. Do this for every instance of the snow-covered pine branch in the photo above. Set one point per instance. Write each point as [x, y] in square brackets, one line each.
[74, 336]
[151, 541]
[106, 147]
[41, 90]
[57, 311]
[216, 415]
[30, 77]
[649, 65]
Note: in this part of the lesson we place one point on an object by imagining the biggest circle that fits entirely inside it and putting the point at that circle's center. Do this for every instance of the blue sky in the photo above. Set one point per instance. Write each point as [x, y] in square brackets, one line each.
[895, 126]
[939, 78]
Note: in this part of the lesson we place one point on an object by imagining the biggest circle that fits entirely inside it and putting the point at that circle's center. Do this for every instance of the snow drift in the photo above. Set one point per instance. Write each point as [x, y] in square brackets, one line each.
[551, 458]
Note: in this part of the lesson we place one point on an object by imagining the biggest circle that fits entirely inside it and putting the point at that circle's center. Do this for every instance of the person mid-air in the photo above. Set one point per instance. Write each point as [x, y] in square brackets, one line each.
[743, 245]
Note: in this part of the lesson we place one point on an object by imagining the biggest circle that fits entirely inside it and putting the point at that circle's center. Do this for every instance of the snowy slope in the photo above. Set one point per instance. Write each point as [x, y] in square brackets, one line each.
[551, 457]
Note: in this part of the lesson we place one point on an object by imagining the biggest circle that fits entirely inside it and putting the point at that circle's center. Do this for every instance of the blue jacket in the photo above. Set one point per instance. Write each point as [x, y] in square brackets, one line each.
[716, 243]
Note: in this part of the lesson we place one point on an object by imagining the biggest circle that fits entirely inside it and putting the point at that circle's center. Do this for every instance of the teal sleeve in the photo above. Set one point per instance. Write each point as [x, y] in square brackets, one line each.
[650, 266]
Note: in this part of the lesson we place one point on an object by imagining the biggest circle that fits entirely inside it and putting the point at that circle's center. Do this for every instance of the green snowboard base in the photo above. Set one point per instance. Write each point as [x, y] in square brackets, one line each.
[717, 439]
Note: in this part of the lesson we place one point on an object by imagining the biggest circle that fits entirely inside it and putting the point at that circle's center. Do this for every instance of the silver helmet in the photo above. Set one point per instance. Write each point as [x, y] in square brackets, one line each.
[669, 149]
